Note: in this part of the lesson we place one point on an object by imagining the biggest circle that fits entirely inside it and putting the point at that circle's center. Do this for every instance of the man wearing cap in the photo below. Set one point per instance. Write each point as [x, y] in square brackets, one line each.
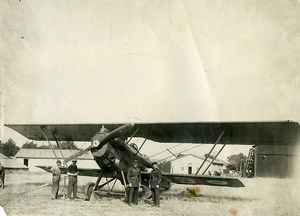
[134, 179]
[56, 173]
[155, 179]
[72, 184]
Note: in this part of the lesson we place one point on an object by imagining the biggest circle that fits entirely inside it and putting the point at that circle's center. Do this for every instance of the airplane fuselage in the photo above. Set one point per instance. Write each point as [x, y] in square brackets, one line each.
[115, 155]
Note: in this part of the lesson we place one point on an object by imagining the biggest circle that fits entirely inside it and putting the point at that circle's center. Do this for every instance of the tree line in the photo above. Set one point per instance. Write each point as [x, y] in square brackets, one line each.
[235, 162]
[10, 147]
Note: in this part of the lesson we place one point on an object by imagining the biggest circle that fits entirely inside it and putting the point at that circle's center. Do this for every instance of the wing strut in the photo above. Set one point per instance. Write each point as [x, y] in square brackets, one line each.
[164, 150]
[180, 151]
[59, 148]
[132, 136]
[214, 159]
[49, 143]
[171, 153]
[124, 183]
[210, 152]
[138, 151]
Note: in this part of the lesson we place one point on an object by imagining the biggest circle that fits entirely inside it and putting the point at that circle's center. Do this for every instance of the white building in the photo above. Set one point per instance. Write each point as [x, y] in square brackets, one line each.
[190, 163]
[11, 164]
[45, 157]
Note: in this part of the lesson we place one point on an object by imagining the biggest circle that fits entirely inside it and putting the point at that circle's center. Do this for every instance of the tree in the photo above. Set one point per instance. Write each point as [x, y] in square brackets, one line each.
[63, 145]
[29, 145]
[46, 147]
[67, 145]
[236, 161]
[9, 148]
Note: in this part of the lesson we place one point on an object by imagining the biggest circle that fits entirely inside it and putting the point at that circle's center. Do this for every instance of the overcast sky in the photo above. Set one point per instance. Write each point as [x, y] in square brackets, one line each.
[148, 61]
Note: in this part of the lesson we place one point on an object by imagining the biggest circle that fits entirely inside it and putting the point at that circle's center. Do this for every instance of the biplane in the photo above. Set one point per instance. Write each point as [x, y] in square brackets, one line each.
[111, 148]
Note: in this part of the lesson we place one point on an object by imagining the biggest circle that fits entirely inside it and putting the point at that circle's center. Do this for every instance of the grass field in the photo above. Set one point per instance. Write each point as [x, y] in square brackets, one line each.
[260, 197]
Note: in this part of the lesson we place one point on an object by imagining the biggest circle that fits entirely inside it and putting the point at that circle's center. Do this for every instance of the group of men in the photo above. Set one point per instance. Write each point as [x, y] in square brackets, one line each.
[134, 182]
[72, 183]
[133, 178]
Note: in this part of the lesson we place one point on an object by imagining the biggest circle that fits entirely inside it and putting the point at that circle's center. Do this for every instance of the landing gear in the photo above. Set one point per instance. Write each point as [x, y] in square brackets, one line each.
[1, 185]
[90, 187]
[165, 185]
[95, 187]
[88, 190]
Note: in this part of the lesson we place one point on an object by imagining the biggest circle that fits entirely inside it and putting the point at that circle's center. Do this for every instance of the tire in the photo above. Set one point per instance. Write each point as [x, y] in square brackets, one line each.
[88, 190]
[168, 186]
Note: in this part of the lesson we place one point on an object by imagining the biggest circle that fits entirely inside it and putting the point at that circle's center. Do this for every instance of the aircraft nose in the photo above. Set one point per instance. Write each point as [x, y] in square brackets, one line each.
[95, 143]
[96, 140]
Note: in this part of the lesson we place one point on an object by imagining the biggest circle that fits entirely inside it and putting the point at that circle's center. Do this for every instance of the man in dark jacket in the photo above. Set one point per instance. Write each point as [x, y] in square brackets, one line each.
[2, 175]
[134, 180]
[72, 184]
[155, 180]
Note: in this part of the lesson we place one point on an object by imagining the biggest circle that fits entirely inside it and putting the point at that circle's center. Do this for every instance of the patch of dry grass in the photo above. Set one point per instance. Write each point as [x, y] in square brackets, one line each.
[259, 197]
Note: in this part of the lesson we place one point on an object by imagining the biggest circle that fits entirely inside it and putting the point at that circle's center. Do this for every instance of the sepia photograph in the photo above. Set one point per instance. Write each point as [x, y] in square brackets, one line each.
[150, 107]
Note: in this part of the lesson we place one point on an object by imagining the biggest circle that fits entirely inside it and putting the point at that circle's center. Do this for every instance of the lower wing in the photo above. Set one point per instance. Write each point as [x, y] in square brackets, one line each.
[168, 177]
[81, 172]
[201, 180]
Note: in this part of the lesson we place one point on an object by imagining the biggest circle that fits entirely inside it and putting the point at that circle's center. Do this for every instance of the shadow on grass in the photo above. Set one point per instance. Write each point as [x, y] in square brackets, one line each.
[206, 198]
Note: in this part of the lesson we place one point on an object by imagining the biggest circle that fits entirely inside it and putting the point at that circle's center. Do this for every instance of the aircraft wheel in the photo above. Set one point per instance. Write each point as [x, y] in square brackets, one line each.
[168, 186]
[88, 190]
[1, 185]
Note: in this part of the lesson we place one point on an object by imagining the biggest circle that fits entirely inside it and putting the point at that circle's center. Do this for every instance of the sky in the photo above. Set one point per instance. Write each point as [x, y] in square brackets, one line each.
[148, 61]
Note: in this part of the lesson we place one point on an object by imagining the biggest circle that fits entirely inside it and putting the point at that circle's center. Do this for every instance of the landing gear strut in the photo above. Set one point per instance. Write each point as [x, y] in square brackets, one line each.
[1, 185]
[90, 187]
[94, 187]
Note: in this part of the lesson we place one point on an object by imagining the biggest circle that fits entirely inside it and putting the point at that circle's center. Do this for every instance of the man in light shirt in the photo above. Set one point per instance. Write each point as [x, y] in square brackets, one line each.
[56, 173]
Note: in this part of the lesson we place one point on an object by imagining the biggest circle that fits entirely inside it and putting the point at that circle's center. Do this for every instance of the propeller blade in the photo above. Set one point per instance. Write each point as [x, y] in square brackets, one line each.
[113, 134]
[117, 133]
[78, 154]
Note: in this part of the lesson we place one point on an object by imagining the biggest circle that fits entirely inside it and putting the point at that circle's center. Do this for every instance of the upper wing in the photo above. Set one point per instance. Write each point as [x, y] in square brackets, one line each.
[200, 179]
[247, 133]
[63, 132]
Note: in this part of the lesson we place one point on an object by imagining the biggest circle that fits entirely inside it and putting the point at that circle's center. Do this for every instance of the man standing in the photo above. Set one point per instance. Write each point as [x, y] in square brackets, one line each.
[2, 175]
[56, 173]
[134, 179]
[155, 179]
[72, 184]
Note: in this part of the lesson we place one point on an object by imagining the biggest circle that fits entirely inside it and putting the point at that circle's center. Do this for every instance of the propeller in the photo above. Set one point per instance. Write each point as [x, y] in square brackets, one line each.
[120, 131]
